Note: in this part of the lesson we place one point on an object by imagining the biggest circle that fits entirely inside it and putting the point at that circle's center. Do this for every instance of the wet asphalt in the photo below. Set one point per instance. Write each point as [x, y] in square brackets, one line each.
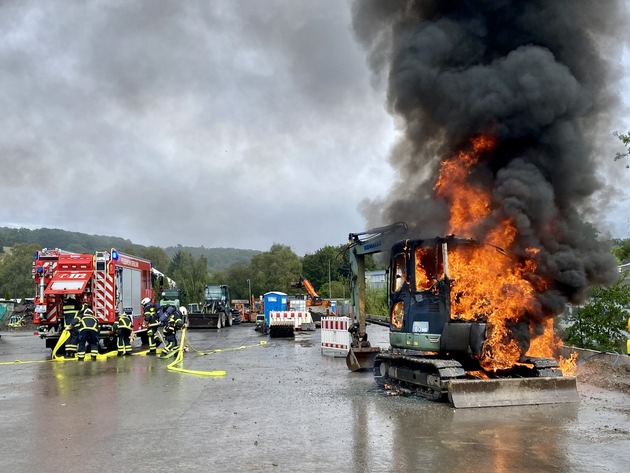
[281, 407]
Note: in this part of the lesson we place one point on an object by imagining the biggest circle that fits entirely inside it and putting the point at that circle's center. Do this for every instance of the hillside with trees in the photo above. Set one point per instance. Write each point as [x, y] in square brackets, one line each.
[599, 323]
[75, 242]
[328, 269]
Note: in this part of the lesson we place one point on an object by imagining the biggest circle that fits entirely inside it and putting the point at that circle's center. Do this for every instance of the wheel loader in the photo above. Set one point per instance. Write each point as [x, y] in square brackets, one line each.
[216, 311]
[442, 345]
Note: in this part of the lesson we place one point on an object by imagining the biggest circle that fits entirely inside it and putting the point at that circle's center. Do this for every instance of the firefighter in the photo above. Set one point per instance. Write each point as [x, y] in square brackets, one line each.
[152, 318]
[71, 309]
[88, 334]
[123, 328]
[174, 323]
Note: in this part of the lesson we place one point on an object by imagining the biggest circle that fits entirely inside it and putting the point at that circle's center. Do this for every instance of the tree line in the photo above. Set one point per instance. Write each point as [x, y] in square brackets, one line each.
[600, 323]
[75, 242]
[328, 269]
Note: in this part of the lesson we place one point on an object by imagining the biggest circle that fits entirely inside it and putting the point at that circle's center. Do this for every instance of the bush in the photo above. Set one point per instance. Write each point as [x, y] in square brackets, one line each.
[376, 302]
[600, 324]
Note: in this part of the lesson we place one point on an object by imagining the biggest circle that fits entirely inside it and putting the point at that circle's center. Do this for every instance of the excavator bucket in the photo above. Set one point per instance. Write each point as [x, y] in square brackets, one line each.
[362, 358]
[464, 393]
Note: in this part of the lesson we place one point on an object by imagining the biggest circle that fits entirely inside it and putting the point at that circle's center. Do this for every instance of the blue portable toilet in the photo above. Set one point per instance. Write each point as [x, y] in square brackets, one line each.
[333, 307]
[276, 301]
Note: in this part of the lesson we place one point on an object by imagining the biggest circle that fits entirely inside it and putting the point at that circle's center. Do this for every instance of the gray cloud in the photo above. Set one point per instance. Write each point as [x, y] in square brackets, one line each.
[218, 123]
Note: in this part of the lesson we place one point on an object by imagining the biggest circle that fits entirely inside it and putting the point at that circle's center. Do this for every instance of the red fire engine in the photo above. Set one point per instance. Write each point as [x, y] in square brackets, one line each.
[107, 282]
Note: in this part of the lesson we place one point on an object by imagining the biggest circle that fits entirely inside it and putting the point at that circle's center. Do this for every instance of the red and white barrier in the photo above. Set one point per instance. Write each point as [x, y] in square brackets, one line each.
[335, 336]
[285, 317]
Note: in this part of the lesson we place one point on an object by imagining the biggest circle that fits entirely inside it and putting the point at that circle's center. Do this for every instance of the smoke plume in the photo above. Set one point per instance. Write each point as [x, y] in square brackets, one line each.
[536, 75]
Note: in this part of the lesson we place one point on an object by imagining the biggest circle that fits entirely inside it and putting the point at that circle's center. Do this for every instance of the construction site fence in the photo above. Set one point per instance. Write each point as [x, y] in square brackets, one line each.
[335, 336]
[284, 317]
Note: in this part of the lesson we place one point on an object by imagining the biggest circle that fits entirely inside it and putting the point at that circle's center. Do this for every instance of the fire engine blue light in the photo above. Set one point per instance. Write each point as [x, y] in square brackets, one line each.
[114, 254]
[36, 255]
[40, 270]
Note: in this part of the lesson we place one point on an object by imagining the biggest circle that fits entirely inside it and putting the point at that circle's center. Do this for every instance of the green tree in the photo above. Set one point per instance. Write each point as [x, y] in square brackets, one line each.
[190, 275]
[274, 270]
[336, 290]
[625, 139]
[621, 250]
[600, 323]
[236, 277]
[160, 260]
[15, 272]
[327, 261]
[376, 301]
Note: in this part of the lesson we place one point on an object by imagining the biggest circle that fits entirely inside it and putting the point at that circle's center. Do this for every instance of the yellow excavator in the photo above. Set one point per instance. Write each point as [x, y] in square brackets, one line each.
[434, 352]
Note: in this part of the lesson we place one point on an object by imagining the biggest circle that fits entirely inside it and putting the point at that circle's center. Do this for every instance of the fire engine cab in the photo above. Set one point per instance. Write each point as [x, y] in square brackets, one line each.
[108, 282]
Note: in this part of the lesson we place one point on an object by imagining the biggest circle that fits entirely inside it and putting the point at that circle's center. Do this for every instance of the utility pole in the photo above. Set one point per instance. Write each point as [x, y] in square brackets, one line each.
[249, 285]
[329, 283]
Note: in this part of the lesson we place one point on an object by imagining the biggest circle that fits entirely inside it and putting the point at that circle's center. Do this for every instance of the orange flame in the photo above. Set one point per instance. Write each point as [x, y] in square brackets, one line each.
[490, 285]
[568, 366]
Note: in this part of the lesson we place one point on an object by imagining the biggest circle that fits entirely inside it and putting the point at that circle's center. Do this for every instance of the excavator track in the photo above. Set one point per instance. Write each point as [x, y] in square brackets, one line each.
[425, 377]
[534, 381]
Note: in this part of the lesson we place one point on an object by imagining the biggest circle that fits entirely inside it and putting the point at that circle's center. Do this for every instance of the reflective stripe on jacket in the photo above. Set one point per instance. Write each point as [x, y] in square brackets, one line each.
[89, 322]
[124, 321]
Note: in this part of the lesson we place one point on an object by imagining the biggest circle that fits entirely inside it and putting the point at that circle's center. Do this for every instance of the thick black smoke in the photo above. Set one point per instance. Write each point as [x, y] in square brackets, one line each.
[539, 76]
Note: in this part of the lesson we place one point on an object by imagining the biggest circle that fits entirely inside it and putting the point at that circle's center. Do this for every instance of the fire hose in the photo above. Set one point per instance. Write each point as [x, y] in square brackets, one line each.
[176, 365]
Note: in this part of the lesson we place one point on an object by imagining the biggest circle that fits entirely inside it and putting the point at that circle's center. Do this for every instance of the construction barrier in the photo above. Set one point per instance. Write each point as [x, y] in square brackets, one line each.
[300, 320]
[335, 336]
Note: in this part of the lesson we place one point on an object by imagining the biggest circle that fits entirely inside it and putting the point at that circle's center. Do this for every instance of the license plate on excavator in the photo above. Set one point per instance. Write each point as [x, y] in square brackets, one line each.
[468, 393]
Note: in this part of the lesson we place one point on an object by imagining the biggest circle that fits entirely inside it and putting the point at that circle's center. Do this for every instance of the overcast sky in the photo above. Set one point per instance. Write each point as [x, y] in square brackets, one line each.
[215, 123]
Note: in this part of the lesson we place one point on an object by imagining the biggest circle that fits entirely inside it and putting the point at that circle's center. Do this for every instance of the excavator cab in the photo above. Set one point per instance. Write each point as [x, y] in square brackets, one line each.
[419, 301]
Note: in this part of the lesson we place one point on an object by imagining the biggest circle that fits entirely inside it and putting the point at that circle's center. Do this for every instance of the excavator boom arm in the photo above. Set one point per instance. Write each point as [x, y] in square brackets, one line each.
[361, 354]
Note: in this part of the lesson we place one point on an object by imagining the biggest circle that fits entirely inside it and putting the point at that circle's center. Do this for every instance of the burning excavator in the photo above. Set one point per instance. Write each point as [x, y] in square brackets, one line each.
[499, 107]
[464, 317]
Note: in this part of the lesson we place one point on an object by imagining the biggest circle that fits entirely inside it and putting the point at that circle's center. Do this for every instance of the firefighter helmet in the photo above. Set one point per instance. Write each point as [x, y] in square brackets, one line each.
[145, 301]
[183, 311]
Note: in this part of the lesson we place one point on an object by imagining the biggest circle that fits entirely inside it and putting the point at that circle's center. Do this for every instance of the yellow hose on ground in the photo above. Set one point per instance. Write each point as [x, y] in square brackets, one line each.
[219, 350]
[176, 364]
[65, 335]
